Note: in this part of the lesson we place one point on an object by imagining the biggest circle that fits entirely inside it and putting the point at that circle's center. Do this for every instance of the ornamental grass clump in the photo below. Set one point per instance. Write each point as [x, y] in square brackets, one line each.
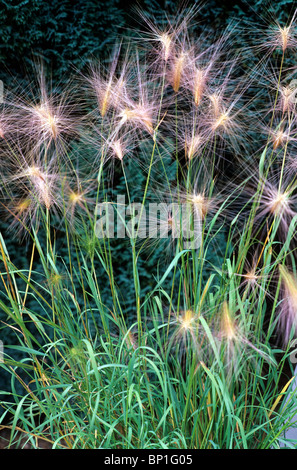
[155, 200]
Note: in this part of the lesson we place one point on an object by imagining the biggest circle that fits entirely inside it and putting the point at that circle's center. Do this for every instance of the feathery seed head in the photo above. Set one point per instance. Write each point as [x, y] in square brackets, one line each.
[105, 99]
[118, 149]
[47, 121]
[38, 180]
[235, 342]
[192, 146]
[47, 118]
[23, 205]
[228, 328]
[200, 203]
[287, 321]
[222, 121]
[283, 36]
[251, 276]
[274, 198]
[290, 284]
[279, 203]
[177, 68]
[108, 84]
[168, 35]
[23, 213]
[215, 100]
[199, 82]
[166, 41]
[186, 320]
[287, 98]
[138, 114]
[77, 196]
[273, 35]
[279, 137]
[109, 93]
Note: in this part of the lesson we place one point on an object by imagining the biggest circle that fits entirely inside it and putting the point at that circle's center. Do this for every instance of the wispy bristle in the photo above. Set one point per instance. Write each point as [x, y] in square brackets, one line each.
[287, 321]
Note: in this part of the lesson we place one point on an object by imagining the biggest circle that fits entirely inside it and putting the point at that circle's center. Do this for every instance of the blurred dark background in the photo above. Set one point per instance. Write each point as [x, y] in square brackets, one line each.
[67, 33]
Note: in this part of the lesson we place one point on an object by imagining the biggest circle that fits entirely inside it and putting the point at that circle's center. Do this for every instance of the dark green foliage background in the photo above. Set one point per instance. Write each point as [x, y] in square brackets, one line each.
[66, 35]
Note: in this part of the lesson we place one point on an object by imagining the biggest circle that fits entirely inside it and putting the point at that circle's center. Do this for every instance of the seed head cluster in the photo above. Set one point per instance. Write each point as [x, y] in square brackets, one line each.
[230, 137]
